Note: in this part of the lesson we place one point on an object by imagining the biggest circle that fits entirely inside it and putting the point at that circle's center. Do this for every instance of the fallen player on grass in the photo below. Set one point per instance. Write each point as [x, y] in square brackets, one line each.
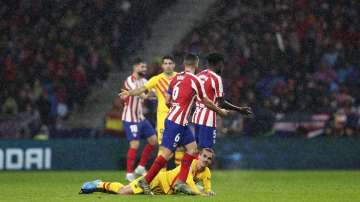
[199, 180]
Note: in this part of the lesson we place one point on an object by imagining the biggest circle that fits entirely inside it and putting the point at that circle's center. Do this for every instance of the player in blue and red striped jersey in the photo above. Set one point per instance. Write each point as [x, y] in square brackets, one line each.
[183, 89]
[204, 119]
[134, 122]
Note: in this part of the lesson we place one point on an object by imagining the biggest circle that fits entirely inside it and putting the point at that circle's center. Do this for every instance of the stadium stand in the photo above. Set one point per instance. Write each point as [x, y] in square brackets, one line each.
[53, 53]
[295, 62]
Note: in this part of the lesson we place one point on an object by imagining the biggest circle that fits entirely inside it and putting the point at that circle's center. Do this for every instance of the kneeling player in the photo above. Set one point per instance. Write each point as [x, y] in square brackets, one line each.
[164, 181]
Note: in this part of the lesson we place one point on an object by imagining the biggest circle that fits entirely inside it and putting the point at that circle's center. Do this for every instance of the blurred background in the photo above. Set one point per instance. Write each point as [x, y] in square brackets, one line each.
[295, 62]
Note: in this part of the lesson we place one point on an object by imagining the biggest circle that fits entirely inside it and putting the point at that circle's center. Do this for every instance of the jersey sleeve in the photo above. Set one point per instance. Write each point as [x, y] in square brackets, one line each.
[198, 87]
[207, 180]
[217, 85]
[151, 83]
[190, 181]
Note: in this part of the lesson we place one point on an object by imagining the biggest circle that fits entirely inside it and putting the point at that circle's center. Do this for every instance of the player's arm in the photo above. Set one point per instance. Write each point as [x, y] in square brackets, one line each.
[140, 90]
[190, 182]
[217, 85]
[207, 184]
[209, 104]
[169, 93]
[168, 100]
[227, 105]
[132, 92]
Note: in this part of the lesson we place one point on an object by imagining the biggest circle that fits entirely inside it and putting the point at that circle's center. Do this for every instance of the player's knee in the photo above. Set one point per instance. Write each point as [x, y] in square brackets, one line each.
[153, 140]
[134, 144]
[165, 152]
[192, 151]
[191, 148]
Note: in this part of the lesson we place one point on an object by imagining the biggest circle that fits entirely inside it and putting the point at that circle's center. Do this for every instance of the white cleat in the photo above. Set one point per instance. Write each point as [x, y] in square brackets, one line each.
[140, 170]
[130, 177]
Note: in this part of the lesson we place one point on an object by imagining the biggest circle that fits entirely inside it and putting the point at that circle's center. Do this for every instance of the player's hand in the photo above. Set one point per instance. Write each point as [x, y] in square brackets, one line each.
[224, 112]
[124, 94]
[211, 193]
[246, 111]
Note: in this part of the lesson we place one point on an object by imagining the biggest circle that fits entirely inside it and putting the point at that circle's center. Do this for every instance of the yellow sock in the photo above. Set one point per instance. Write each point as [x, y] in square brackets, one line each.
[112, 187]
[178, 157]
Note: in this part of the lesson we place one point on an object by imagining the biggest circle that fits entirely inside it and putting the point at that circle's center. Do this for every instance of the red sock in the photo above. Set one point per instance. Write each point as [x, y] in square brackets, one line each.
[146, 154]
[131, 156]
[185, 167]
[159, 163]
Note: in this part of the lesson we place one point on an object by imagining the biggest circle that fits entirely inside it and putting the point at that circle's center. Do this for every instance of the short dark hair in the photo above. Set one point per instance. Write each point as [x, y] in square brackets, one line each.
[167, 57]
[137, 60]
[215, 58]
[191, 59]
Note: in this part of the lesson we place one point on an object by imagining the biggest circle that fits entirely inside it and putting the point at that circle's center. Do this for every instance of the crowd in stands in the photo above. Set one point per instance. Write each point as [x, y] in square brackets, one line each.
[286, 56]
[282, 57]
[53, 52]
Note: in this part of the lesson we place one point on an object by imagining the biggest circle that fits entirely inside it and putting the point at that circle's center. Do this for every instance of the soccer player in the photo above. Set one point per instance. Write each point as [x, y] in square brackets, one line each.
[204, 119]
[134, 122]
[159, 83]
[183, 89]
[163, 183]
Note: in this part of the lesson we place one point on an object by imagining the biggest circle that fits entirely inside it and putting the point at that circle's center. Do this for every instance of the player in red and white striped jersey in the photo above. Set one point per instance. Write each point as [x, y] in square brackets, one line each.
[204, 119]
[213, 87]
[133, 108]
[134, 122]
[183, 89]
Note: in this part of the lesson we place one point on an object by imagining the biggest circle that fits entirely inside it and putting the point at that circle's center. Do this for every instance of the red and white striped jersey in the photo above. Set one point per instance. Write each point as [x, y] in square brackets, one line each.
[214, 89]
[183, 88]
[133, 106]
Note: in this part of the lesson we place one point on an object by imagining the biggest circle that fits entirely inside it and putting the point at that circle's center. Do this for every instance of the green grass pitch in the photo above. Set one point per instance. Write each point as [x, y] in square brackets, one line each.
[234, 186]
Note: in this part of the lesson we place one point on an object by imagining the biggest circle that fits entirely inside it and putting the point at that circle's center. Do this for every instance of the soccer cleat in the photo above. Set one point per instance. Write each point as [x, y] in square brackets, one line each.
[140, 170]
[145, 186]
[89, 187]
[183, 188]
[130, 177]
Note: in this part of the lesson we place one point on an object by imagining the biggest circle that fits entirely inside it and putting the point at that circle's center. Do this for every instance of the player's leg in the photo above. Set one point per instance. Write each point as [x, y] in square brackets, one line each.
[169, 143]
[191, 150]
[126, 190]
[206, 136]
[131, 157]
[159, 162]
[98, 185]
[132, 134]
[110, 187]
[160, 125]
[148, 132]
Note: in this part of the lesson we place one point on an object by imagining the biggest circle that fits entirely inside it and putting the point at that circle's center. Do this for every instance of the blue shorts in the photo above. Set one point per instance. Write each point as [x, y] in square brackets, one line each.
[176, 135]
[205, 136]
[135, 131]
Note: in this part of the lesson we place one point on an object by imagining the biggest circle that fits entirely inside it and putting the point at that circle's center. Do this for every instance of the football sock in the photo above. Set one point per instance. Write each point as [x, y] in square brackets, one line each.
[159, 163]
[131, 156]
[146, 154]
[112, 187]
[185, 167]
